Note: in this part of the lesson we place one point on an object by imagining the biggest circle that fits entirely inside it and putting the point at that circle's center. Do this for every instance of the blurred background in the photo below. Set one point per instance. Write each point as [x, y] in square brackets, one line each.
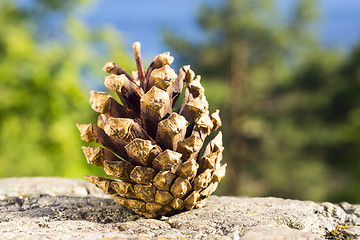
[285, 75]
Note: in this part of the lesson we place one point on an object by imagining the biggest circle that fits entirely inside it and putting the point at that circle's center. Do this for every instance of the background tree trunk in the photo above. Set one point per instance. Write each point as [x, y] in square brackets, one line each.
[238, 78]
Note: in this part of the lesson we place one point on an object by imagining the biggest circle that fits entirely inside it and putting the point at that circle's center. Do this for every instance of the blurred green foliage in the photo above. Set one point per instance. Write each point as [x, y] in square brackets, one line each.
[290, 107]
[44, 72]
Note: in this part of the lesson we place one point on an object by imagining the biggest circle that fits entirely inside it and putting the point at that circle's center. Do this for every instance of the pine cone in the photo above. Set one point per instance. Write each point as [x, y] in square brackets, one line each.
[154, 155]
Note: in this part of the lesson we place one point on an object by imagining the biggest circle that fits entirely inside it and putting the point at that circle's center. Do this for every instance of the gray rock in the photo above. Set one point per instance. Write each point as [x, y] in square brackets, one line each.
[59, 208]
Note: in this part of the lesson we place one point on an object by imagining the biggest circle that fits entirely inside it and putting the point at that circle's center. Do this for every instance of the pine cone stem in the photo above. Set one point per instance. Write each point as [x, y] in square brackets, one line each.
[143, 82]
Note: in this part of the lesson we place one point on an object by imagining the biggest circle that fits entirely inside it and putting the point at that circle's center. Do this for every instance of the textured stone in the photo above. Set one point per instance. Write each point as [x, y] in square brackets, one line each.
[59, 208]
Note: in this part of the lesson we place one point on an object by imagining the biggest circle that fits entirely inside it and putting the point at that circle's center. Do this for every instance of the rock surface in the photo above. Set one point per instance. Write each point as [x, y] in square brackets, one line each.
[59, 208]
